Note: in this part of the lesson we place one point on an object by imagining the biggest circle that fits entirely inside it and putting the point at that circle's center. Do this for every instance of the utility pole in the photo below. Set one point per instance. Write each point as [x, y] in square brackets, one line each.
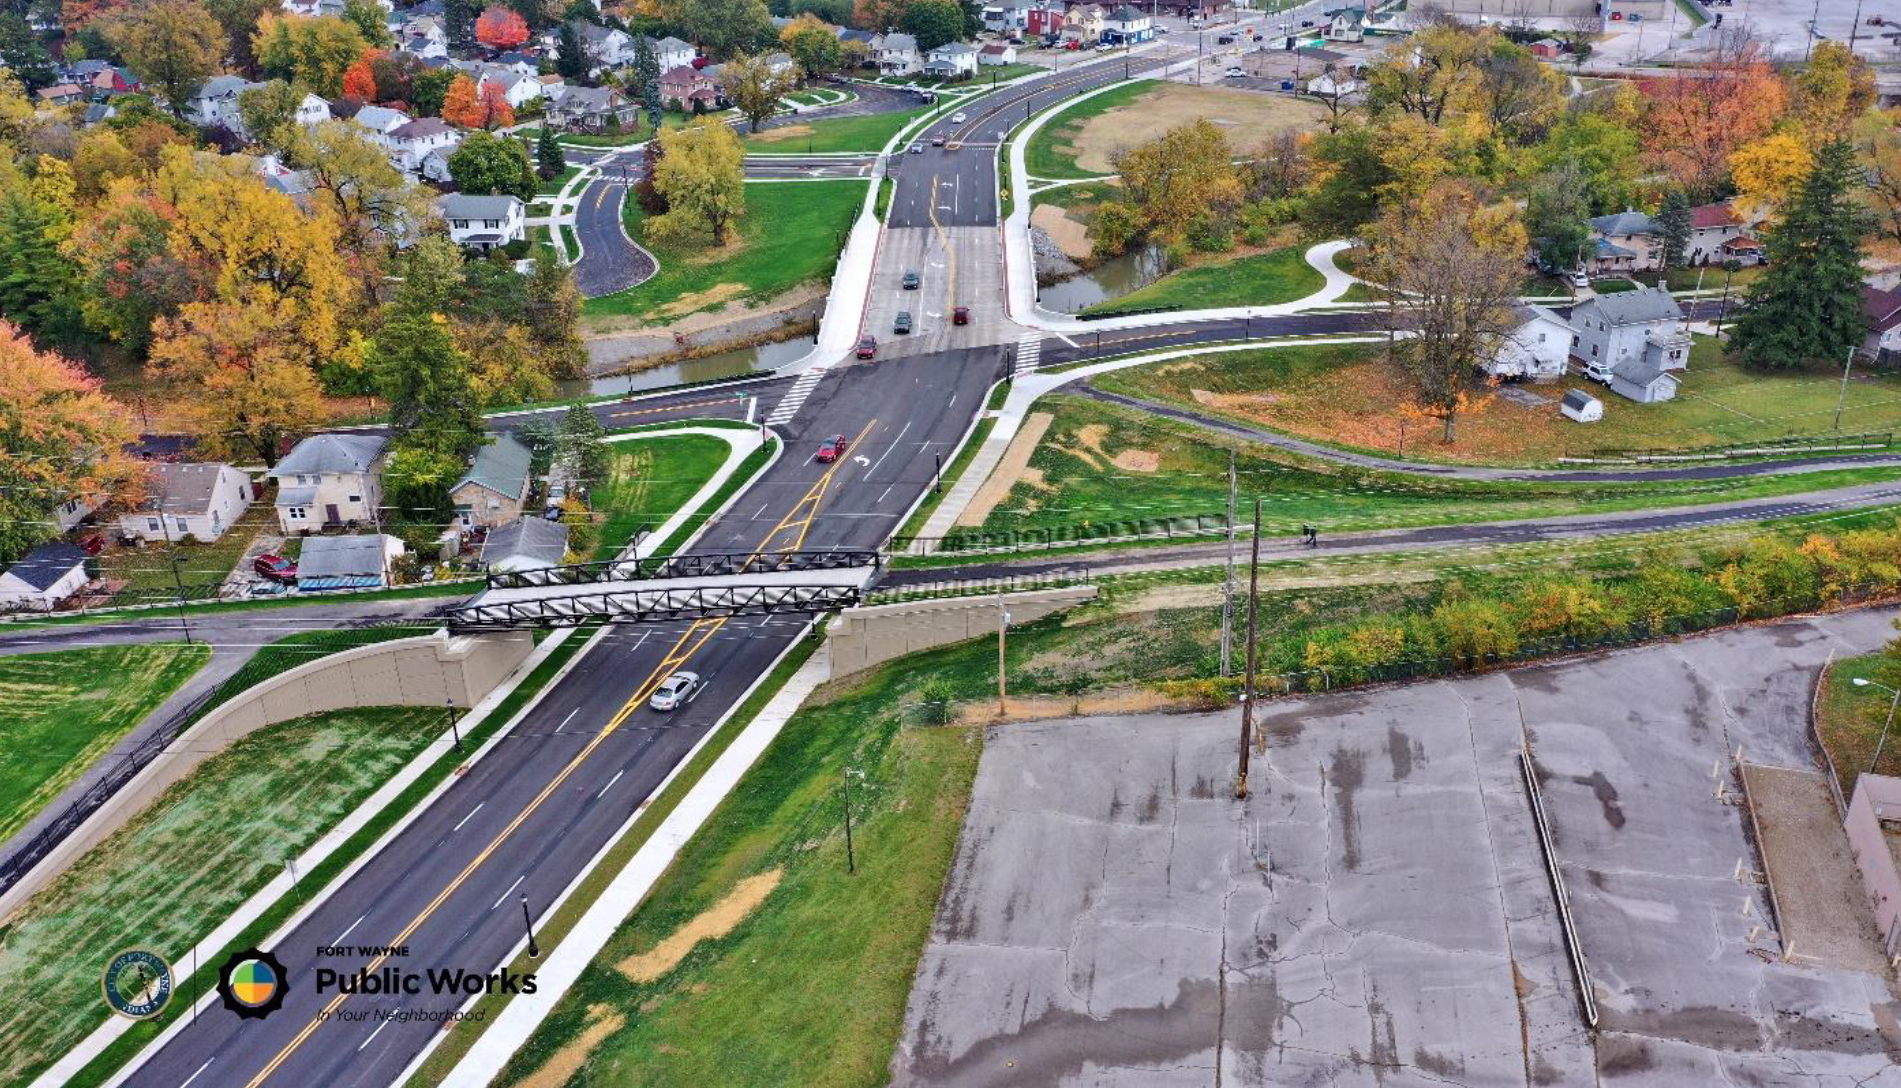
[1003, 626]
[851, 857]
[1247, 684]
[1842, 396]
[1227, 592]
[171, 560]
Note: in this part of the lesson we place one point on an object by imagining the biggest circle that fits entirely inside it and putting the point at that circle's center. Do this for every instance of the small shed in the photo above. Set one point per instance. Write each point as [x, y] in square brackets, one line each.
[43, 578]
[1643, 383]
[1581, 406]
[346, 562]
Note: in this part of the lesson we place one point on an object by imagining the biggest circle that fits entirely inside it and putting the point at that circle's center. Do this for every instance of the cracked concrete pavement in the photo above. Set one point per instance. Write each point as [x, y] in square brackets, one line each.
[1377, 912]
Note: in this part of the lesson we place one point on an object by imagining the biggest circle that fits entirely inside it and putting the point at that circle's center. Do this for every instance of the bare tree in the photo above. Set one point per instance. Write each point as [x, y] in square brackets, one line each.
[1452, 270]
[1282, 166]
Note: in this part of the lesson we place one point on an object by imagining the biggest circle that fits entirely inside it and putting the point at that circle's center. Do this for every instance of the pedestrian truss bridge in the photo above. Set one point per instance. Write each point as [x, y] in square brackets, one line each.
[681, 587]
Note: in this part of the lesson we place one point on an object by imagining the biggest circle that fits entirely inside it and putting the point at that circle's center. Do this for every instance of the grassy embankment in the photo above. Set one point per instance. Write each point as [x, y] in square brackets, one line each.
[648, 481]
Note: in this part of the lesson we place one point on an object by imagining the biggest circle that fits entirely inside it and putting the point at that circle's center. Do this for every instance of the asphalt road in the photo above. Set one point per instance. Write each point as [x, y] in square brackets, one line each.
[528, 817]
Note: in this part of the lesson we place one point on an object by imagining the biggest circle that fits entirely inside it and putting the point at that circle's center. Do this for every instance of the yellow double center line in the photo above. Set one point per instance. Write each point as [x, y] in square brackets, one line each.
[697, 635]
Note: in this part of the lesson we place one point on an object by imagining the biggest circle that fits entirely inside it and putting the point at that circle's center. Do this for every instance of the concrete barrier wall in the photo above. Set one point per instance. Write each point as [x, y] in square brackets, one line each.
[862, 637]
[431, 670]
[1877, 797]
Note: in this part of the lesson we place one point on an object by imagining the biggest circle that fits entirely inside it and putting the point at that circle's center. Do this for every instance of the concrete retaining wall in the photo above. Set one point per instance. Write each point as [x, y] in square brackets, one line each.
[431, 670]
[862, 637]
[1877, 797]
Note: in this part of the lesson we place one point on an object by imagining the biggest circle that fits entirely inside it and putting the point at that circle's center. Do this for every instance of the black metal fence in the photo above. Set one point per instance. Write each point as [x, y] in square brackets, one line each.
[1807, 443]
[1179, 527]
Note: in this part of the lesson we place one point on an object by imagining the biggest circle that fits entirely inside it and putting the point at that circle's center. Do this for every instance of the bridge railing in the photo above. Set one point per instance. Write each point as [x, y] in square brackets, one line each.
[650, 604]
[692, 565]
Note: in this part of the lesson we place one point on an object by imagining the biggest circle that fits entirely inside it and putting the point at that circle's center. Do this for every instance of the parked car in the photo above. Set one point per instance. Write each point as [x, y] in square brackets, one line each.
[93, 544]
[274, 568]
[1310, 22]
[867, 346]
[960, 315]
[1225, 39]
[910, 279]
[1234, 72]
[1579, 279]
[901, 325]
[1073, 43]
[831, 449]
[677, 691]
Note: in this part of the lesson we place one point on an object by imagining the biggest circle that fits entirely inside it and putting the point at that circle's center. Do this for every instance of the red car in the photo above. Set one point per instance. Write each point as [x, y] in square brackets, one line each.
[832, 450]
[93, 544]
[867, 346]
[960, 315]
[275, 568]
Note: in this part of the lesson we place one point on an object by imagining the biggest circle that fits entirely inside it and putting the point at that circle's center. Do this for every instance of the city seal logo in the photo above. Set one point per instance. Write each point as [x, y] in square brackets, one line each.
[137, 984]
[251, 983]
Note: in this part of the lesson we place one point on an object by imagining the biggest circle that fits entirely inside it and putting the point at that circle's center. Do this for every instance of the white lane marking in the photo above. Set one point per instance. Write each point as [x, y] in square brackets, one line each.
[1065, 339]
[373, 1035]
[887, 451]
[360, 918]
[559, 728]
[511, 888]
[462, 821]
[610, 783]
[881, 498]
[201, 1069]
[762, 510]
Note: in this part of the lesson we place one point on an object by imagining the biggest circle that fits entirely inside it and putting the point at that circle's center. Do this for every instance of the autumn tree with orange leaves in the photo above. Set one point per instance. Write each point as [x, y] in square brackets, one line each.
[1697, 119]
[501, 28]
[472, 106]
[359, 80]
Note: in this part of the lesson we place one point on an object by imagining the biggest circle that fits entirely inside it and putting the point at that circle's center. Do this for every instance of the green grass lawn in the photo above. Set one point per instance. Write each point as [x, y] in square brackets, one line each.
[1003, 73]
[1077, 197]
[551, 186]
[866, 132]
[61, 711]
[1851, 718]
[636, 134]
[1050, 153]
[1101, 465]
[180, 867]
[1261, 280]
[650, 479]
[1685, 279]
[149, 569]
[791, 233]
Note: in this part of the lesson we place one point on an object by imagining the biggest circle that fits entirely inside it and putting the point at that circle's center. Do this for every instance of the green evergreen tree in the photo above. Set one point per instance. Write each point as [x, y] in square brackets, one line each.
[549, 159]
[581, 447]
[39, 290]
[570, 59]
[1673, 225]
[1807, 305]
[458, 22]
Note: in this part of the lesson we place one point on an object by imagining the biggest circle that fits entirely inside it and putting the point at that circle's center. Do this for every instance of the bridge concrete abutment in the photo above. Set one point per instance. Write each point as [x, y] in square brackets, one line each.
[862, 637]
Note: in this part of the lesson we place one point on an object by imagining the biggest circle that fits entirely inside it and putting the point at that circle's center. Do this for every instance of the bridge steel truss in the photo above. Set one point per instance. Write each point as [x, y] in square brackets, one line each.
[710, 565]
[649, 604]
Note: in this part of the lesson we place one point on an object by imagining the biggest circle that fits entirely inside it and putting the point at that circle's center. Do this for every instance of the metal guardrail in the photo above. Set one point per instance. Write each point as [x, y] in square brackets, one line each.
[951, 588]
[650, 605]
[693, 565]
[1167, 308]
[1587, 1000]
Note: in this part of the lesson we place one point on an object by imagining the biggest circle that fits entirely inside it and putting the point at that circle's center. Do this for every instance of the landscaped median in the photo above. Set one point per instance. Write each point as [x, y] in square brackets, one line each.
[864, 132]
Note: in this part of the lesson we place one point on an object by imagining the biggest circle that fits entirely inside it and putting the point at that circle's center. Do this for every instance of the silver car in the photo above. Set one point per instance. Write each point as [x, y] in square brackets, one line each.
[677, 691]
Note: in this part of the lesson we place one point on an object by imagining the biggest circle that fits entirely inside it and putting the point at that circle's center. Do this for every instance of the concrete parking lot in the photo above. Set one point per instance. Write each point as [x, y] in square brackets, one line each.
[1377, 912]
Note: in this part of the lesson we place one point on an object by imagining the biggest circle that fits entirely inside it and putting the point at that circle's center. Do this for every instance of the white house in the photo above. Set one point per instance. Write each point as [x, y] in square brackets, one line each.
[43, 578]
[1346, 25]
[1720, 232]
[997, 53]
[196, 500]
[329, 480]
[670, 53]
[1538, 347]
[312, 111]
[1007, 16]
[216, 99]
[953, 60]
[1333, 83]
[414, 142]
[435, 166]
[380, 121]
[73, 511]
[518, 89]
[895, 54]
[605, 46]
[1642, 326]
[1883, 311]
[1126, 25]
[483, 222]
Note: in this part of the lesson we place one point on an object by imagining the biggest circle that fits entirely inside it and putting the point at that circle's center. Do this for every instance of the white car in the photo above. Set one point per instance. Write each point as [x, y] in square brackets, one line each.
[957, 118]
[677, 691]
[1579, 279]
[1235, 73]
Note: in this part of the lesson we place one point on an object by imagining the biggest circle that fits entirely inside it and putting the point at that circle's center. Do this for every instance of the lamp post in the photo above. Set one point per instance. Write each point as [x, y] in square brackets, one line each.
[454, 732]
[1841, 397]
[534, 950]
[1896, 701]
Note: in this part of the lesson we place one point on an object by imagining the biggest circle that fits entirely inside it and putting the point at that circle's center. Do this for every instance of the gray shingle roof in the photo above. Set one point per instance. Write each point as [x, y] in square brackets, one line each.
[1639, 307]
[1636, 372]
[1624, 223]
[47, 564]
[340, 557]
[322, 453]
[182, 489]
[537, 539]
[501, 466]
[464, 206]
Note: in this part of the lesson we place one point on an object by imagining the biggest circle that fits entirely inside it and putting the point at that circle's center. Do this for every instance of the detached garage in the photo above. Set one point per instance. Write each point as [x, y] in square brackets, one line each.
[1643, 383]
[43, 578]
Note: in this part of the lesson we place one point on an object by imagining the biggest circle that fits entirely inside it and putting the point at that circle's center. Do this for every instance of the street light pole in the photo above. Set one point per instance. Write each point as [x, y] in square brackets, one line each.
[449, 707]
[1227, 591]
[1003, 627]
[1895, 702]
[1247, 684]
[1841, 397]
[534, 950]
[851, 857]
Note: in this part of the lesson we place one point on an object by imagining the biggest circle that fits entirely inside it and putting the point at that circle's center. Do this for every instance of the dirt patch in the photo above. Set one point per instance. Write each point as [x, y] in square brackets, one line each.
[717, 295]
[1015, 461]
[713, 923]
[1131, 460]
[1247, 118]
[1230, 400]
[602, 1022]
[1138, 460]
[781, 134]
[615, 344]
[1069, 235]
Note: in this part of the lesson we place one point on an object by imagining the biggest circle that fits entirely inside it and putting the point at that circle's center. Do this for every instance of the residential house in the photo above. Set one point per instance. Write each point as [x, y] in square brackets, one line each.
[410, 144]
[483, 222]
[196, 500]
[1191, 10]
[311, 111]
[495, 488]
[896, 54]
[216, 99]
[1720, 232]
[1044, 20]
[997, 54]
[380, 121]
[688, 88]
[1538, 347]
[1345, 25]
[329, 480]
[424, 48]
[358, 561]
[98, 113]
[1883, 311]
[1626, 241]
[1085, 23]
[527, 544]
[73, 511]
[606, 47]
[1126, 26]
[518, 88]
[779, 63]
[1007, 16]
[60, 94]
[1642, 382]
[590, 109]
[670, 53]
[43, 578]
[515, 61]
[435, 166]
[1643, 326]
[952, 60]
[1333, 82]
[103, 80]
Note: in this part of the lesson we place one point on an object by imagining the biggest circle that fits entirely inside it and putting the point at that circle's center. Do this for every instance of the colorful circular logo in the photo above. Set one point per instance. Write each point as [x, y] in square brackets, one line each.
[251, 983]
[137, 983]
